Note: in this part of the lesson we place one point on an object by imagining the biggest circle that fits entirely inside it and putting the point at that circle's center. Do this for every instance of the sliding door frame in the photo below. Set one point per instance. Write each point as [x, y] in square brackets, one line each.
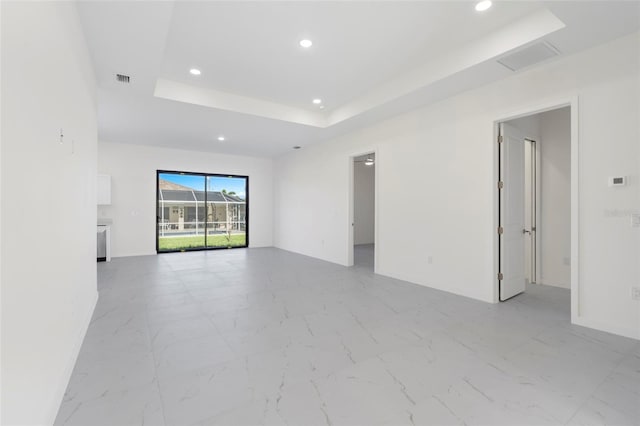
[206, 190]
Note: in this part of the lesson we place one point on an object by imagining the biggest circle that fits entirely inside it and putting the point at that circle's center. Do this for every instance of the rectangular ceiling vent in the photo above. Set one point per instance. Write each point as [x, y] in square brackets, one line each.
[121, 78]
[528, 56]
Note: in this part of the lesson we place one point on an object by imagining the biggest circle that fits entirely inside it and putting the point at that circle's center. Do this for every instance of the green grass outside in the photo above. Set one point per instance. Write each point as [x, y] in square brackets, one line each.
[179, 243]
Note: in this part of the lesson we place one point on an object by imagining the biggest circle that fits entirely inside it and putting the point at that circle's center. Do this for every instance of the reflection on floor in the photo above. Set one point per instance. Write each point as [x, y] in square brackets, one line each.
[264, 336]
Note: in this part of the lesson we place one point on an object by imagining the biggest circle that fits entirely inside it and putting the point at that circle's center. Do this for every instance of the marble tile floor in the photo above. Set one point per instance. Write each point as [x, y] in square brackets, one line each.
[268, 337]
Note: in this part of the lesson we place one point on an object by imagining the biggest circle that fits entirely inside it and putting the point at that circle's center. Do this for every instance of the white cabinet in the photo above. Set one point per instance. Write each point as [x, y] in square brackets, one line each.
[104, 190]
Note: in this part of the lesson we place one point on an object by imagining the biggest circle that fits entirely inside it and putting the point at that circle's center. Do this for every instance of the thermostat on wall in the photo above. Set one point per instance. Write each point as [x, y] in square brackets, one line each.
[617, 181]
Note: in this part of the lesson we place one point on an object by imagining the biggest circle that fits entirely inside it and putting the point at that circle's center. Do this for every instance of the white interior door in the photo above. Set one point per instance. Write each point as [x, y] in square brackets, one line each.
[512, 249]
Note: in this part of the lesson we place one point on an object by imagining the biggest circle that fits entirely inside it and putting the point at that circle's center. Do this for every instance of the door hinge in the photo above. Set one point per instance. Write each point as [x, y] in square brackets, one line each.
[500, 276]
[500, 230]
[500, 184]
[500, 139]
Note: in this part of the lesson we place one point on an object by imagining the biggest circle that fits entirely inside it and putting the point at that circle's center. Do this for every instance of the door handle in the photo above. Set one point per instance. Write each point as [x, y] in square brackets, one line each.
[526, 231]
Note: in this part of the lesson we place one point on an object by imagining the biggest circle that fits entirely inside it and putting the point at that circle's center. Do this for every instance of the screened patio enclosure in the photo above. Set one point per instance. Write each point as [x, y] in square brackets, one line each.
[184, 212]
[190, 217]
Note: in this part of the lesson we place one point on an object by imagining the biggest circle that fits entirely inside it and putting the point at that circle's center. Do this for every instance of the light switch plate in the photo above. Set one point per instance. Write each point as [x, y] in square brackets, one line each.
[635, 220]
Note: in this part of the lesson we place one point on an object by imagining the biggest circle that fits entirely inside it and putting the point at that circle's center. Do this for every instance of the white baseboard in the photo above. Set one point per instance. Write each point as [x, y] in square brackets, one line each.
[68, 370]
[551, 284]
[608, 328]
[134, 254]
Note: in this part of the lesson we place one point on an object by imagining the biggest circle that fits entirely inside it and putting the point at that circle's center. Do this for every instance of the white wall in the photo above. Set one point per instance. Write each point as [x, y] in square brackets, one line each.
[529, 125]
[48, 233]
[133, 191]
[363, 203]
[1, 209]
[441, 158]
[554, 230]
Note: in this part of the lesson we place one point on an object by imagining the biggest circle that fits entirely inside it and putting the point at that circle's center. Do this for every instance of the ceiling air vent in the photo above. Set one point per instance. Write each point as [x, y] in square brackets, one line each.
[121, 78]
[528, 56]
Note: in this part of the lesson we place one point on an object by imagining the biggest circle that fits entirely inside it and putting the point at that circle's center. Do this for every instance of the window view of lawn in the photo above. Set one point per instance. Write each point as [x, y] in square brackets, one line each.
[196, 241]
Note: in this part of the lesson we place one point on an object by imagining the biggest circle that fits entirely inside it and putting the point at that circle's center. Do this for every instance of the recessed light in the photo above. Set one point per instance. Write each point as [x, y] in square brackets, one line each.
[483, 5]
[368, 162]
[195, 71]
[221, 138]
[306, 43]
[321, 106]
[317, 101]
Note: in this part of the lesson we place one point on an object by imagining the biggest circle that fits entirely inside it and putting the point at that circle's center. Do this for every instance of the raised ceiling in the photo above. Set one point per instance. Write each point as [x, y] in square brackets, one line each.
[369, 61]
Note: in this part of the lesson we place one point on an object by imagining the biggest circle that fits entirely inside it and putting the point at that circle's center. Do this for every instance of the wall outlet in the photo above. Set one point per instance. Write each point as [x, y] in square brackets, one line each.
[566, 261]
[635, 293]
[635, 220]
[430, 260]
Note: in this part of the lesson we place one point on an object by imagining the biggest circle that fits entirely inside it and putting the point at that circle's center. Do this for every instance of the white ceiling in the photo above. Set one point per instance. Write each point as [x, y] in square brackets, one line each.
[369, 61]
[252, 49]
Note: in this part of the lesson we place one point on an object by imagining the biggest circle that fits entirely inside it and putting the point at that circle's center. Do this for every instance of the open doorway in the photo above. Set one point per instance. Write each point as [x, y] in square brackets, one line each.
[535, 192]
[363, 223]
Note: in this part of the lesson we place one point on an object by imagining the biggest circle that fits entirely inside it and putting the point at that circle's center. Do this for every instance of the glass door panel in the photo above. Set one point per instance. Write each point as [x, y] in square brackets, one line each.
[181, 211]
[226, 211]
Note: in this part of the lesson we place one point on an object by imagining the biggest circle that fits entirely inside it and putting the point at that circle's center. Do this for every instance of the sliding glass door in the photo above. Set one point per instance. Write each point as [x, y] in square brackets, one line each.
[226, 211]
[199, 211]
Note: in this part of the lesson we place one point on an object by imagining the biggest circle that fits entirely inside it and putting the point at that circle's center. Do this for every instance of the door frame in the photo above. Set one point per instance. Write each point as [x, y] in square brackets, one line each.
[526, 110]
[351, 217]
